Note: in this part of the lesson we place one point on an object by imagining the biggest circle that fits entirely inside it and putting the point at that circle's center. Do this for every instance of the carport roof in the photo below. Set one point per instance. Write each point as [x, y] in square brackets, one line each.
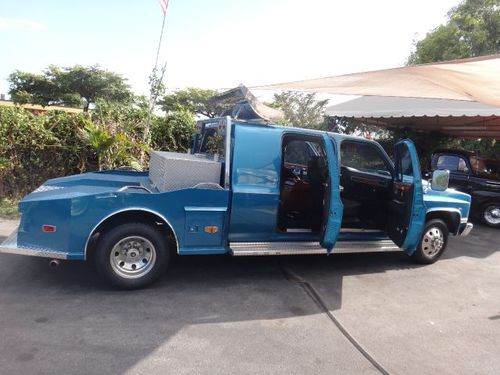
[457, 118]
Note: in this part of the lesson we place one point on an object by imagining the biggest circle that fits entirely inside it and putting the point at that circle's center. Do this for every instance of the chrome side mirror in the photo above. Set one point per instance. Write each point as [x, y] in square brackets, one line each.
[440, 180]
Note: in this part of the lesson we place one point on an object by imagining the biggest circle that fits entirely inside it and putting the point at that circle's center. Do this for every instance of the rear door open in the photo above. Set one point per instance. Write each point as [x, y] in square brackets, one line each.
[332, 205]
[407, 211]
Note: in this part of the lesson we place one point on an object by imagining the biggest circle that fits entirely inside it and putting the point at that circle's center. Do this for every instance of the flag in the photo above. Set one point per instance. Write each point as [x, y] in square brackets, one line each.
[164, 6]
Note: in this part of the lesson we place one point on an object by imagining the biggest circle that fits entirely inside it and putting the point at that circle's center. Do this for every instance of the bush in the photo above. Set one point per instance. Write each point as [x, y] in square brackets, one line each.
[36, 148]
[173, 132]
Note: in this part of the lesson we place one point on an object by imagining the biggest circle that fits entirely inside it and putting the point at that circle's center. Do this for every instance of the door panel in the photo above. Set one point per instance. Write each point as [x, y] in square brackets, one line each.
[407, 211]
[332, 205]
[255, 174]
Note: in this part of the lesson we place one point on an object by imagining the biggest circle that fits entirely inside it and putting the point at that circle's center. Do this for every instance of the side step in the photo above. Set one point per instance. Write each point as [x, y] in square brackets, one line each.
[303, 248]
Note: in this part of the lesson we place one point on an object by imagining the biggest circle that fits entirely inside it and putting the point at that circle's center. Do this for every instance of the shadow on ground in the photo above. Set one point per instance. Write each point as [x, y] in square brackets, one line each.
[50, 318]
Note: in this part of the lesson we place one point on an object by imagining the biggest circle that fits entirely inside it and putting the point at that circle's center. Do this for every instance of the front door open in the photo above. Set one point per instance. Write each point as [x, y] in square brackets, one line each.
[407, 211]
[332, 205]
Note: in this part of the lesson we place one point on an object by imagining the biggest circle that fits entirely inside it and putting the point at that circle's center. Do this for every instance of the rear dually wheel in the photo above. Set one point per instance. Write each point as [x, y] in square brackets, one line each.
[132, 255]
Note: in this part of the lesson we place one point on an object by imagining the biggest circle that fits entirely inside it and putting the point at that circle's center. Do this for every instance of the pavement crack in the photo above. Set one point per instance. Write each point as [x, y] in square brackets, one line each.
[320, 303]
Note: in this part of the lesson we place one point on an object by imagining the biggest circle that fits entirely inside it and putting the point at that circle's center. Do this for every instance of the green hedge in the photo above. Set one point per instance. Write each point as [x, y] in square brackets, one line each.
[34, 148]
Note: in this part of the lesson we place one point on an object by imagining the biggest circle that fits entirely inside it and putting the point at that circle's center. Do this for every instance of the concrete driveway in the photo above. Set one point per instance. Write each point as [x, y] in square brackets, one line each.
[366, 313]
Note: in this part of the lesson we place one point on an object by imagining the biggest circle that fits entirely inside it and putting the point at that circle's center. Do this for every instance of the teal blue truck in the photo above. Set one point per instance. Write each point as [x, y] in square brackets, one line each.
[244, 189]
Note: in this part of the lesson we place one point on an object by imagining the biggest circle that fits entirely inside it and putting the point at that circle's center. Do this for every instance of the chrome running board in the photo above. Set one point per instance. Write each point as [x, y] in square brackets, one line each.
[303, 248]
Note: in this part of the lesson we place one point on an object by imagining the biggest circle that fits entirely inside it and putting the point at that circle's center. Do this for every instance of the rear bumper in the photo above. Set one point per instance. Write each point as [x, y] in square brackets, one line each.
[10, 246]
[466, 229]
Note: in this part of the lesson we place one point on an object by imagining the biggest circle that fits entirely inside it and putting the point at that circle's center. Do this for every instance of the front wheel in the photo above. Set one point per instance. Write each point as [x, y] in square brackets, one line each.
[132, 255]
[491, 214]
[433, 242]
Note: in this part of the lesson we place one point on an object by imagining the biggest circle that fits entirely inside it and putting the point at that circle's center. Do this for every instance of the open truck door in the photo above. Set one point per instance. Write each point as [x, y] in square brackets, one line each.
[407, 211]
[332, 204]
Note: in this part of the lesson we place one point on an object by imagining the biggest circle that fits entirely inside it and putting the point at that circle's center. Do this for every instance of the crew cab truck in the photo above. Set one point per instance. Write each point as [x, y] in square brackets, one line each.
[269, 190]
[473, 175]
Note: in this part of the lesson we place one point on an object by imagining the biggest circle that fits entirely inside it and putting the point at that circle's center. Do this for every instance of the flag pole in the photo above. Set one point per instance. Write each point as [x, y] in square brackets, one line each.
[161, 37]
[154, 81]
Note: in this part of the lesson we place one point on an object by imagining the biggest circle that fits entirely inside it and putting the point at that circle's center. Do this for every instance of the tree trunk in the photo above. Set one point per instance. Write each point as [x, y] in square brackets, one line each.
[87, 104]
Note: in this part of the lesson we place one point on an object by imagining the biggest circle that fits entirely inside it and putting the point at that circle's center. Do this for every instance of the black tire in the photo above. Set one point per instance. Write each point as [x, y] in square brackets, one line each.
[433, 242]
[140, 255]
[487, 216]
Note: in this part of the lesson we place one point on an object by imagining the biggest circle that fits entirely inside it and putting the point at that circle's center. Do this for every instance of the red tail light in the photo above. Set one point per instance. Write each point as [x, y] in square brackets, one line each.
[49, 228]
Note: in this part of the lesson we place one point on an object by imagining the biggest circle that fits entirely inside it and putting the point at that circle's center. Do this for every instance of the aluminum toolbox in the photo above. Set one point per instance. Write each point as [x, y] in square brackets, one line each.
[170, 171]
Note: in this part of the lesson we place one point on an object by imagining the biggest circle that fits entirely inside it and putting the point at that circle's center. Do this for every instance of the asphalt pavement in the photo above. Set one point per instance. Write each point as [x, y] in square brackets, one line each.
[345, 314]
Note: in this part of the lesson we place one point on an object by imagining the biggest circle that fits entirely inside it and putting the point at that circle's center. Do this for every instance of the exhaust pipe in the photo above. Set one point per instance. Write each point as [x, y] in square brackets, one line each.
[54, 263]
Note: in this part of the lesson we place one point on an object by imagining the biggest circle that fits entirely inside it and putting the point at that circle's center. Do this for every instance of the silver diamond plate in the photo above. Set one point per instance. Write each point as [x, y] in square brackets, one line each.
[303, 248]
[9, 246]
[170, 171]
[44, 188]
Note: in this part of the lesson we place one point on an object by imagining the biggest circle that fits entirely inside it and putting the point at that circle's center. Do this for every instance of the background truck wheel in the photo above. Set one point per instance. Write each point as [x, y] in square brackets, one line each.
[433, 242]
[490, 214]
[132, 255]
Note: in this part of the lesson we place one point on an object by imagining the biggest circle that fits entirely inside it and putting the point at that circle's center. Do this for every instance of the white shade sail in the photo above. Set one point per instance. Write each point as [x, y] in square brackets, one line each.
[474, 79]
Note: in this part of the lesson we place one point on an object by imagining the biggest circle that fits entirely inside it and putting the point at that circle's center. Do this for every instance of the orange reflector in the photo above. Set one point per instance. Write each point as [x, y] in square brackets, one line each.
[49, 228]
[211, 229]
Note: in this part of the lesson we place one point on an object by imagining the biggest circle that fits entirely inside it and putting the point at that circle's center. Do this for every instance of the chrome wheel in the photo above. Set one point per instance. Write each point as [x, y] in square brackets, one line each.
[132, 257]
[491, 214]
[433, 241]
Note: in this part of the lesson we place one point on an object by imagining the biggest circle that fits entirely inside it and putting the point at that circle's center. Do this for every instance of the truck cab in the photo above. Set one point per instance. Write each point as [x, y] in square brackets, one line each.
[244, 189]
[474, 175]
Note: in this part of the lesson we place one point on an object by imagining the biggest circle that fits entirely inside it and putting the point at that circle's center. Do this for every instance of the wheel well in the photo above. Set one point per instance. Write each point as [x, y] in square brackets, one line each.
[488, 202]
[132, 216]
[451, 219]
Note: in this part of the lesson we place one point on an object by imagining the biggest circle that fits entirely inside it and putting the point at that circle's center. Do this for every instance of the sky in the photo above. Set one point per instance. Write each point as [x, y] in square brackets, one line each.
[215, 43]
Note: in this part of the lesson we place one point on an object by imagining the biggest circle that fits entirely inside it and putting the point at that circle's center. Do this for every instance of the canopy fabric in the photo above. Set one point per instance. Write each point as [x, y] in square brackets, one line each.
[241, 104]
[456, 118]
[474, 79]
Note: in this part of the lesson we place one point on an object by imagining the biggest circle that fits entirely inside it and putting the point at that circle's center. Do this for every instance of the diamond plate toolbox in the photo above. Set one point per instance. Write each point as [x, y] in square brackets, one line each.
[170, 171]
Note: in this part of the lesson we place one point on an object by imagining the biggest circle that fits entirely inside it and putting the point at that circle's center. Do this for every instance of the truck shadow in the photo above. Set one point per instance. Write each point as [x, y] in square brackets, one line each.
[69, 312]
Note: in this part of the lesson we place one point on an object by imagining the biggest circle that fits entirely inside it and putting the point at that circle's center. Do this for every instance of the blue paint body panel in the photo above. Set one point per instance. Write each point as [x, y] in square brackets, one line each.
[75, 207]
[417, 214]
[246, 212]
[335, 207]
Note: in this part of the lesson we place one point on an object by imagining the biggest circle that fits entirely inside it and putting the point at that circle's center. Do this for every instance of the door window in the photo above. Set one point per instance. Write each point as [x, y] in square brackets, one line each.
[363, 157]
[453, 163]
[299, 152]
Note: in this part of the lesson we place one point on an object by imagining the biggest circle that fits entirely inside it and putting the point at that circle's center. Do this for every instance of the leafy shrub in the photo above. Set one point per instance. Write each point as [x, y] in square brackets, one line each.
[35, 148]
[173, 132]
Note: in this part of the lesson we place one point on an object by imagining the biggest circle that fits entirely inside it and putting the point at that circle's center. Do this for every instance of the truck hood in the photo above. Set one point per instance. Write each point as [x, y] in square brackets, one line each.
[86, 184]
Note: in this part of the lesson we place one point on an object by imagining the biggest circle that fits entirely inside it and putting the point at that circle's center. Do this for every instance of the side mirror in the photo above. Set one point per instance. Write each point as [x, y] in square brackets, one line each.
[440, 180]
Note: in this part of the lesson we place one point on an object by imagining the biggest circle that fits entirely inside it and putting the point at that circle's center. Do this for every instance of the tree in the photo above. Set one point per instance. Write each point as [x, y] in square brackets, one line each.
[32, 88]
[194, 100]
[344, 125]
[300, 109]
[77, 85]
[472, 29]
[174, 132]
